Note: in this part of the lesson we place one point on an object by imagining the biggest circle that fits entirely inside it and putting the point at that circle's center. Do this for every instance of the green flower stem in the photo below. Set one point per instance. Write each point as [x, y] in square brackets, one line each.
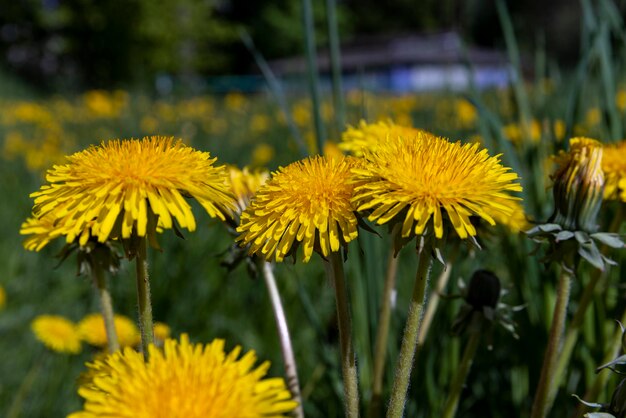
[541, 406]
[469, 353]
[382, 334]
[409, 343]
[106, 306]
[291, 371]
[571, 335]
[601, 379]
[143, 299]
[348, 358]
[433, 302]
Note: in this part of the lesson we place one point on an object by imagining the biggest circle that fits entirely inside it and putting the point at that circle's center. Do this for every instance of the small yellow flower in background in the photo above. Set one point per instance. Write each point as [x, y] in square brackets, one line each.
[418, 178]
[149, 124]
[593, 117]
[161, 331]
[262, 154]
[91, 330]
[235, 101]
[578, 185]
[370, 135]
[466, 112]
[57, 333]
[301, 114]
[183, 381]
[306, 202]
[3, 298]
[514, 133]
[259, 123]
[123, 187]
[559, 129]
[614, 168]
[620, 99]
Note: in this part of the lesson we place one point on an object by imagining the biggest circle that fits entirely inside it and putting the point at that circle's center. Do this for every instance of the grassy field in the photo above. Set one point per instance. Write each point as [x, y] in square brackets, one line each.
[194, 294]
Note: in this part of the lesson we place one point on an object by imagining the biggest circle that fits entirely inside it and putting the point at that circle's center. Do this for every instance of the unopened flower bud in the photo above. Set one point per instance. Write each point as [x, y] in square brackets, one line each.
[578, 185]
[483, 290]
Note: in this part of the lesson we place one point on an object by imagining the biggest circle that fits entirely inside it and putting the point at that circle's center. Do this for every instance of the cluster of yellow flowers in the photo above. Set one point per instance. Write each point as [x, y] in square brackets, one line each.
[62, 335]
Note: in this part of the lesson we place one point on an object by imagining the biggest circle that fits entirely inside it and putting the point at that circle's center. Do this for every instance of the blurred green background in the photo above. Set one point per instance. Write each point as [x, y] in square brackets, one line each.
[74, 73]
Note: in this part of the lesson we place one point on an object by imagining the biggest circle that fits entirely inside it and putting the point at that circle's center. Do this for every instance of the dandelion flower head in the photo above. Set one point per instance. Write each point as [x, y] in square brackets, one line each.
[57, 333]
[244, 183]
[306, 202]
[92, 330]
[183, 381]
[614, 168]
[368, 136]
[416, 179]
[114, 189]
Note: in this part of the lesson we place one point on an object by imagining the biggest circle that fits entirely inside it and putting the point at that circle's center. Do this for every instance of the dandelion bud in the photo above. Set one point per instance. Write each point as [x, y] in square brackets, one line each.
[483, 290]
[578, 185]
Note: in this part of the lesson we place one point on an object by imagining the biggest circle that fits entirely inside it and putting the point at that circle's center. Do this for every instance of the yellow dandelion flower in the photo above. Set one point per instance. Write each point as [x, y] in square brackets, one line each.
[114, 190]
[370, 135]
[306, 202]
[516, 221]
[424, 177]
[244, 183]
[57, 333]
[91, 330]
[161, 331]
[183, 381]
[614, 168]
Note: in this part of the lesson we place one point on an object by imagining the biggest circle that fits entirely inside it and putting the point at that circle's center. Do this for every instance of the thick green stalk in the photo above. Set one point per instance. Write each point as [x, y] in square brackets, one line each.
[309, 37]
[469, 353]
[335, 64]
[143, 299]
[409, 342]
[571, 335]
[541, 406]
[291, 370]
[382, 335]
[348, 358]
[106, 306]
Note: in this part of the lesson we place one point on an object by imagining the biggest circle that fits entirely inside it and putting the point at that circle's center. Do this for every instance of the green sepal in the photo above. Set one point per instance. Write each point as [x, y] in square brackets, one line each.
[610, 239]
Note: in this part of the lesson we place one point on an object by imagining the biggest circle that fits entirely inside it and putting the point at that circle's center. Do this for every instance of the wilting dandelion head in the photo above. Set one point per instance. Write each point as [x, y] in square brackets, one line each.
[57, 333]
[368, 136]
[92, 330]
[122, 187]
[614, 168]
[306, 202]
[183, 381]
[416, 179]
